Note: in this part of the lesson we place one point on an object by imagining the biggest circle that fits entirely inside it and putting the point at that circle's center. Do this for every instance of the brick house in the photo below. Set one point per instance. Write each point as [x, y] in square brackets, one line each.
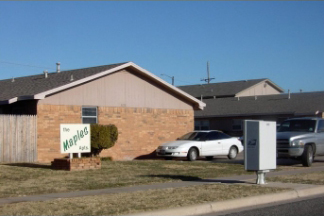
[147, 110]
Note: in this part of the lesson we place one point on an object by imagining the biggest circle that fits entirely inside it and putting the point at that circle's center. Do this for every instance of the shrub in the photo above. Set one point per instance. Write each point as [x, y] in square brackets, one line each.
[102, 137]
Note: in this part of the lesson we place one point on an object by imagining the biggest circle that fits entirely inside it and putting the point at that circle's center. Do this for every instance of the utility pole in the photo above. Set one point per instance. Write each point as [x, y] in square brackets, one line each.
[172, 77]
[208, 77]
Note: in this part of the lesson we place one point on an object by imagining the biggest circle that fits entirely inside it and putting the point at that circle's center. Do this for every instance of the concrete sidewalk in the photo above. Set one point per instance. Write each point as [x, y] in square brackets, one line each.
[298, 190]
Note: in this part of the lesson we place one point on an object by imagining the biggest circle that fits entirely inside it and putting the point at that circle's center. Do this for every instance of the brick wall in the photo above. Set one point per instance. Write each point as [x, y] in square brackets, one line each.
[141, 130]
[49, 118]
[76, 163]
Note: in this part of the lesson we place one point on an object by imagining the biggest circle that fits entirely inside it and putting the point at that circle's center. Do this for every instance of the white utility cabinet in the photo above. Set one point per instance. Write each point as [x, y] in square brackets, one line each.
[260, 145]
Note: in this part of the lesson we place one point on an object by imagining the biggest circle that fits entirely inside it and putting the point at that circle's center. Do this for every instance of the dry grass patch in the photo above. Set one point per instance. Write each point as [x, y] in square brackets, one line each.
[316, 178]
[27, 179]
[125, 203]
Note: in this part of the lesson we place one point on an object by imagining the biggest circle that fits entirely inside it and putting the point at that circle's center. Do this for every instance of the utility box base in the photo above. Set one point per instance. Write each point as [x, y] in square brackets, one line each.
[261, 176]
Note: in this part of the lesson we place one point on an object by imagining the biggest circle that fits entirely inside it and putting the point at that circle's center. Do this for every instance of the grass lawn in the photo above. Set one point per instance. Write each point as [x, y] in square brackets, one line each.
[21, 180]
[136, 202]
[316, 178]
[29, 179]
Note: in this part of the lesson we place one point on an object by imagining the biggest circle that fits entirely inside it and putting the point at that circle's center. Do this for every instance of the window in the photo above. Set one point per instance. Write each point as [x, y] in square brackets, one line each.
[237, 124]
[213, 136]
[198, 136]
[217, 136]
[320, 126]
[297, 126]
[201, 125]
[89, 115]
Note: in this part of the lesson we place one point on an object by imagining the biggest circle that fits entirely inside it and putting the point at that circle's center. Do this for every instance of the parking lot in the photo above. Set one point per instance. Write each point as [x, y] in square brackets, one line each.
[318, 161]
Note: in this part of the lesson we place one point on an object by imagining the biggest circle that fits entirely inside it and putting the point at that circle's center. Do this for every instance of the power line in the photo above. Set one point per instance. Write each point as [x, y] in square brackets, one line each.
[208, 77]
[186, 82]
[25, 65]
[172, 77]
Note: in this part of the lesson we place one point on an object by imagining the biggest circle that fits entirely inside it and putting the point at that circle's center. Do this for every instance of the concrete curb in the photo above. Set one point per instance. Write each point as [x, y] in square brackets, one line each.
[233, 204]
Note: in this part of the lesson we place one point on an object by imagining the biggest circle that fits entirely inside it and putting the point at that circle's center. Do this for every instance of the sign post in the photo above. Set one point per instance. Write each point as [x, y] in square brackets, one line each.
[75, 138]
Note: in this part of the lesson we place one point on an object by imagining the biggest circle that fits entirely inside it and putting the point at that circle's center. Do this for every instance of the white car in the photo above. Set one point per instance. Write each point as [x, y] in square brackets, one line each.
[201, 144]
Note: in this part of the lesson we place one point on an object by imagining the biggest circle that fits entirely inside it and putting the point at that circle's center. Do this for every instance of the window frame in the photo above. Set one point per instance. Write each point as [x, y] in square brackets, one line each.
[94, 117]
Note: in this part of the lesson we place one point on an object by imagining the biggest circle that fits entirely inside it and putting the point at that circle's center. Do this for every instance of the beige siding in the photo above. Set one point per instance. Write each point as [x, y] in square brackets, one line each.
[263, 88]
[121, 89]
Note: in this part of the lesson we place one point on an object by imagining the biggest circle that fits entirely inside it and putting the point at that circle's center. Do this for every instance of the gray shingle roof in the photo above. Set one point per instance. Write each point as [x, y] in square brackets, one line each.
[38, 87]
[299, 104]
[31, 85]
[224, 89]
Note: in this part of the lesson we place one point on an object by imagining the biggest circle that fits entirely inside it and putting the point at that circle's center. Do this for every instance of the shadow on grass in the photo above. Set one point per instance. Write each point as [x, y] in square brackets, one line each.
[150, 156]
[30, 165]
[196, 179]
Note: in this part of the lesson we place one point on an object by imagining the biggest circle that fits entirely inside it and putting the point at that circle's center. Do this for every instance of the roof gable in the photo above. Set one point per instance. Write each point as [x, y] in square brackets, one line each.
[224, 89]
[38, 87]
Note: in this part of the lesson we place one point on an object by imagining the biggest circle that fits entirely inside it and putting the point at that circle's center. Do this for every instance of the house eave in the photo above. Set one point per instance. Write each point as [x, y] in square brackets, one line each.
[244, 115]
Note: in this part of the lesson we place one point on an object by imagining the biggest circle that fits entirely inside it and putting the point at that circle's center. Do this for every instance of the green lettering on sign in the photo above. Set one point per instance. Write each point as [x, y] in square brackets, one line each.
[66, 145]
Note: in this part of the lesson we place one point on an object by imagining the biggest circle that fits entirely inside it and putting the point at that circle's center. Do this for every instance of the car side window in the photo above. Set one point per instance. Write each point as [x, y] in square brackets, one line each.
[223, 136]
[320, 126]
[212, 136]
[216, 136]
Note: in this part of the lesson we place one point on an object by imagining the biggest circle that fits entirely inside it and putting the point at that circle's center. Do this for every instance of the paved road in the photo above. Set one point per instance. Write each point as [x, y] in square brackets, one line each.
[300, 207]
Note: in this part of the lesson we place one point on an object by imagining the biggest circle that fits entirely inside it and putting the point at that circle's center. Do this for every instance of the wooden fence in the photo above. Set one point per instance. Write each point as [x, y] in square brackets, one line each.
[18, 138]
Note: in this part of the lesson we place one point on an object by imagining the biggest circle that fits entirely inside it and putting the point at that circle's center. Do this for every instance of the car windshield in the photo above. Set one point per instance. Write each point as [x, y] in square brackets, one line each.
[297, 126]
[198, 136]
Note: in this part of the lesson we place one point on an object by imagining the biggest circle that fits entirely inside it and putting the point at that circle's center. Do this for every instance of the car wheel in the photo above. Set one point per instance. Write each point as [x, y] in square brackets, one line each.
[308, 156]
[232, 153]
[209, 158]
[192, 154]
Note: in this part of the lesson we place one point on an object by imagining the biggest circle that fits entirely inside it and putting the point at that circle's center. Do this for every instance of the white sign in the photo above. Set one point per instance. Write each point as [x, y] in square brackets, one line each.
[75, 138]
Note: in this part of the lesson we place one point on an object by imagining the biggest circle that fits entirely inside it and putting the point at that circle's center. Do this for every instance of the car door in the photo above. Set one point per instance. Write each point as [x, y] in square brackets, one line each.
[320, 137]
[227, 142]
[211, 146]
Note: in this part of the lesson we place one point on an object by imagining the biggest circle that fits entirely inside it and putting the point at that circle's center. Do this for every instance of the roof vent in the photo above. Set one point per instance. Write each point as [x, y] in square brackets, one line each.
[13, 79]
[46, 73]
[255, 97]
[288, 93]
[58, 64]
[71, 78]
[238, 98]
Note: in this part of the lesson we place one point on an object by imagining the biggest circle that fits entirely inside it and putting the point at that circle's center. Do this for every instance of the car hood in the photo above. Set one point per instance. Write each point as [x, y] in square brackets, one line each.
[179, 143]
[288, 135]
